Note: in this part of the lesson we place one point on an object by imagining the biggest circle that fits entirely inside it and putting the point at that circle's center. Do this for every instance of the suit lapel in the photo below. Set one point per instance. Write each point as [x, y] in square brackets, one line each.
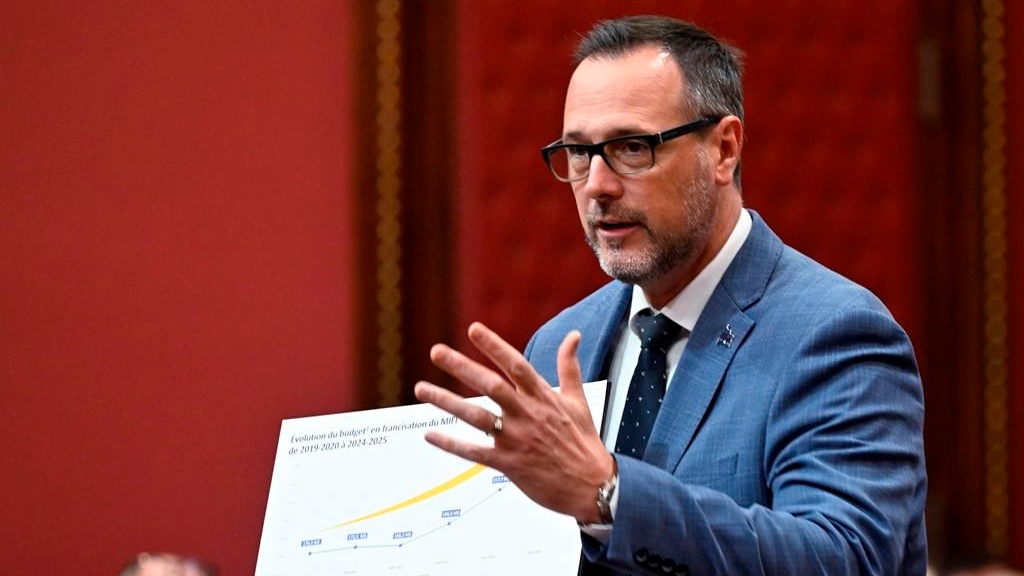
[720, 332]
[600, 331]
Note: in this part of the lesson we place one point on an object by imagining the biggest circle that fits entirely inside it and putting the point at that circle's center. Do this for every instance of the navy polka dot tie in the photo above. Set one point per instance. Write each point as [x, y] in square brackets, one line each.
[657, 333]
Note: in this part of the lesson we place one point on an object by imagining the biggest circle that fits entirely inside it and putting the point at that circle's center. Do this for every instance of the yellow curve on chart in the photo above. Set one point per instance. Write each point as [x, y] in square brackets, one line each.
[446, 485]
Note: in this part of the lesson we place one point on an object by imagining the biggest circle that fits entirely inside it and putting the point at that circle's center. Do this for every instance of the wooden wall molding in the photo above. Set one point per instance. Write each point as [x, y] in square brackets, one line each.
[404, 194]
[388, 204]
[994, 285]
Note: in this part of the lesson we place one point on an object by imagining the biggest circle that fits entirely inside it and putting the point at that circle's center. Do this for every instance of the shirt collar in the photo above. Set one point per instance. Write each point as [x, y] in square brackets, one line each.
[685, 308]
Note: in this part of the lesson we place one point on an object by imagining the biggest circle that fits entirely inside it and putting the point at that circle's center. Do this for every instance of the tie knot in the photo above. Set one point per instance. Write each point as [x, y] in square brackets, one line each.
[656, 331]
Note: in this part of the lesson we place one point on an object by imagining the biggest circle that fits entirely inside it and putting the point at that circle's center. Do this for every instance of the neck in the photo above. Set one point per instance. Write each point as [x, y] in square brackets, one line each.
[661, 291]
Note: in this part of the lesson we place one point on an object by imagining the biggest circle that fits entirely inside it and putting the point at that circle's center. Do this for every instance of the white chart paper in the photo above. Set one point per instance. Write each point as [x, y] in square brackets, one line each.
[363, 494]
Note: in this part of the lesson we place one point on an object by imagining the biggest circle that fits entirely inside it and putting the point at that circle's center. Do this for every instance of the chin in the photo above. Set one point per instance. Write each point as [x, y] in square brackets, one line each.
[631, 270]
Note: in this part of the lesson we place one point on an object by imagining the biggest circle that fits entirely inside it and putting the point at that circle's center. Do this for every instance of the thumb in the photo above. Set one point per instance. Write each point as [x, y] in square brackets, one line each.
[570, 380]
[570, 375]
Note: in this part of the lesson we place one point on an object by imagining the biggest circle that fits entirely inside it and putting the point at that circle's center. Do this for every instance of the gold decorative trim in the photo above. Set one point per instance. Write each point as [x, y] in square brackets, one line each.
[994, 286]
[389, 204]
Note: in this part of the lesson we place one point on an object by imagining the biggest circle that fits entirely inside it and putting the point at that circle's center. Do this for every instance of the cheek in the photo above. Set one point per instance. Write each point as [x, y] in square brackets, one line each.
[667, 213]
[581, 205]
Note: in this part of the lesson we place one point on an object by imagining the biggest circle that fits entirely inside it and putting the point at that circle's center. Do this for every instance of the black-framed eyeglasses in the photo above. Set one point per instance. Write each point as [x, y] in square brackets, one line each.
[624, 154]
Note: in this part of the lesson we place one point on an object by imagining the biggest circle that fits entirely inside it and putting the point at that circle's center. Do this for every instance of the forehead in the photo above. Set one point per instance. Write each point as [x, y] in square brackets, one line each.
[641, 90]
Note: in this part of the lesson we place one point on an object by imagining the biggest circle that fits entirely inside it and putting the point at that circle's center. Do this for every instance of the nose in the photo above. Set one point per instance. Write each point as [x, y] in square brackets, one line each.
[602, 181]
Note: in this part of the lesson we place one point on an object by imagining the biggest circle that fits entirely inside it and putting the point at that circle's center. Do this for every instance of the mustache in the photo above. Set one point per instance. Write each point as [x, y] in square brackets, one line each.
[608, 213]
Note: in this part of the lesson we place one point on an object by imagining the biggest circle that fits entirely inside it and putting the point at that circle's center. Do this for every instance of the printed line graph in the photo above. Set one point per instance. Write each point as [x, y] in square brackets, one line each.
[453, 518]
[443, 487]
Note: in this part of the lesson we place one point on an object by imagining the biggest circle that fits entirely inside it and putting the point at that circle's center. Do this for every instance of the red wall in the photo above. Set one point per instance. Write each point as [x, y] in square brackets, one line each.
[176, 257]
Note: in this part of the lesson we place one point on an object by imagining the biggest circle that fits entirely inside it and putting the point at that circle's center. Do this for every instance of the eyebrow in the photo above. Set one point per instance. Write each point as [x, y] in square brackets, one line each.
[578, 137]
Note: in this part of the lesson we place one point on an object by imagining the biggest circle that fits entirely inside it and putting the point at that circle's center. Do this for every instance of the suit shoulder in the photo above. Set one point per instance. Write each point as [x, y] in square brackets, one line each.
[818, 288]
[597, 304]
[591, 315]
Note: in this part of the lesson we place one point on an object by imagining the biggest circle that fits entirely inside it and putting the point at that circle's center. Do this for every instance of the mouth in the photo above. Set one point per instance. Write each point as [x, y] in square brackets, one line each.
[614, 227]
[609, 225]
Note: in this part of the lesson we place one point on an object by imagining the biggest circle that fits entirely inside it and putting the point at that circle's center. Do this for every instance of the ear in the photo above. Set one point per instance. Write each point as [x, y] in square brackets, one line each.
[728, 140]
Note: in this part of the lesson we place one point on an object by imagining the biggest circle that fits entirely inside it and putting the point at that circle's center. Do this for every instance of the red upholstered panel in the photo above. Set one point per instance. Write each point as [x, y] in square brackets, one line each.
[831, 150]
[521, 254]
[829, 158]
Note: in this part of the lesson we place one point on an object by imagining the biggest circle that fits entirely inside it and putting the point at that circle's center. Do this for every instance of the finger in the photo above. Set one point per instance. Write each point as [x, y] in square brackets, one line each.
[476, 416]
[570, 375]
[474, 452]
[471, 373]
[508, 359]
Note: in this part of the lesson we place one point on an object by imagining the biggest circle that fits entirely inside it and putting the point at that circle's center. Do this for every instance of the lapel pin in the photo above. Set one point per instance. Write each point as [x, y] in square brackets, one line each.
[726, 337]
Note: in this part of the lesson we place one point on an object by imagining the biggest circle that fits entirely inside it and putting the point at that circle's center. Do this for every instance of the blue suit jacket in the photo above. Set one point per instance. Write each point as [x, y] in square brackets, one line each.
[790, 439]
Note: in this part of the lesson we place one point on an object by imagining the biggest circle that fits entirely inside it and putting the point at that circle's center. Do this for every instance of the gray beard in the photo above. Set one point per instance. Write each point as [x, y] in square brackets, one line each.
[668, 250]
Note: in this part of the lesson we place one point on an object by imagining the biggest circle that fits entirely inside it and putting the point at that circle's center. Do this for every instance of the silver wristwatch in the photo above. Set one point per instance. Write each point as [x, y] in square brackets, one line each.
[604, 498]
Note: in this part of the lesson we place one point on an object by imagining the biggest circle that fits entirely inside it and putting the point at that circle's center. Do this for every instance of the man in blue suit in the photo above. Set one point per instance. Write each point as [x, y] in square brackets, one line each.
[788, 440]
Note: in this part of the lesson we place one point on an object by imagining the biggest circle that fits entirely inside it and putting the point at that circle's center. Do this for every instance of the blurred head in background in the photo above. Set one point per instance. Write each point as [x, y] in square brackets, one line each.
[164, 564]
